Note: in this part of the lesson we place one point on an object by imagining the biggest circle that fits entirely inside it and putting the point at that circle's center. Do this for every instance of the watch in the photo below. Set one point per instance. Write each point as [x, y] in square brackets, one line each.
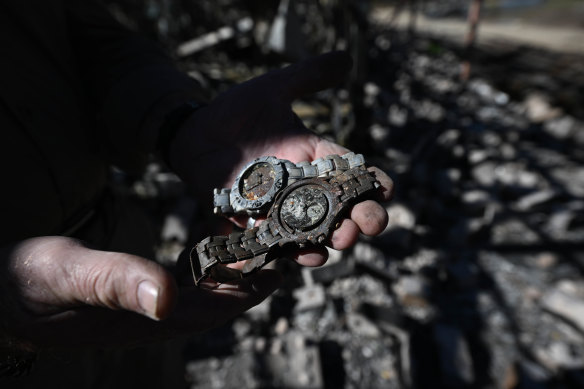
[258, 183]
[304, 213]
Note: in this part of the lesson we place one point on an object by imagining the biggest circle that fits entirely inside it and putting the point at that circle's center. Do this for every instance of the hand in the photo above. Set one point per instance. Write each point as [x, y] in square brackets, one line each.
[255, 119]
[56, 292]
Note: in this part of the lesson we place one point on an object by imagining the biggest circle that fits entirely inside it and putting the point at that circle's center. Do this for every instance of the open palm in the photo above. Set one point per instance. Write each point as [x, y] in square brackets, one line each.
[255, 119]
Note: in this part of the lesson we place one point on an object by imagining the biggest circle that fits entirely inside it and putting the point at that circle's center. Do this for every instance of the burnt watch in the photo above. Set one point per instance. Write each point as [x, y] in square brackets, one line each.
[304, 213]
[258, 183]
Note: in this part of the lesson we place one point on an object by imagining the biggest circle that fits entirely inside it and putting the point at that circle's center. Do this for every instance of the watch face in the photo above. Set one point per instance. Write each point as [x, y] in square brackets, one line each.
[257, 181]
[304, 208]
[257, 185]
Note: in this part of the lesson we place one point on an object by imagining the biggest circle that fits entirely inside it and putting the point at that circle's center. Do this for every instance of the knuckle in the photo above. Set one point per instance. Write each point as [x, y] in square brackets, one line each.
[96, 283]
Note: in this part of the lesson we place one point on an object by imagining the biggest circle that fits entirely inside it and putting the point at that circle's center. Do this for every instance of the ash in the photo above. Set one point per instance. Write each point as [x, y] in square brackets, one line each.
[478, 279]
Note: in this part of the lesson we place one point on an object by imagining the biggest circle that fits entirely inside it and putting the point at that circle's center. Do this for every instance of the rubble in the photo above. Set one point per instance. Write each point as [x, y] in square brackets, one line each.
[567, 301]
[478, 279]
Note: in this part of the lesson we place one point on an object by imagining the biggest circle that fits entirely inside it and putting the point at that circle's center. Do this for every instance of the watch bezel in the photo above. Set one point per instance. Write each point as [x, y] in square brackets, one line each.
[240, 203]
[321, 231]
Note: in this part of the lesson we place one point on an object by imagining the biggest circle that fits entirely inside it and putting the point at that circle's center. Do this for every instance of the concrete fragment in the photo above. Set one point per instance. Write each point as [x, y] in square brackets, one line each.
[535, 199]
[361, 326]
[567, 301]
[539, 108]
[212, 38]
[513, 231]
[297, 365]
[309, 297]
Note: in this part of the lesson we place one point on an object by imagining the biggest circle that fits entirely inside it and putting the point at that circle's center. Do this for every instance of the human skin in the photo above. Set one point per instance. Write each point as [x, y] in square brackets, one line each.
[54, 291]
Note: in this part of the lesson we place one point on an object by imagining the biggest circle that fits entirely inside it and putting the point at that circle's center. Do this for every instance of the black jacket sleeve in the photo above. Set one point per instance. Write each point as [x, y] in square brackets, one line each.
[132, 81]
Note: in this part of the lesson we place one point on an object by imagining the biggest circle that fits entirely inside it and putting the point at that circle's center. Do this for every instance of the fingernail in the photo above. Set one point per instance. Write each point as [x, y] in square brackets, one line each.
[148, 299]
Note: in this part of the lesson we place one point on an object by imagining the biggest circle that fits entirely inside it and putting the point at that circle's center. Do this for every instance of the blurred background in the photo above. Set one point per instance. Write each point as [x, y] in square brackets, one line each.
[476, 110]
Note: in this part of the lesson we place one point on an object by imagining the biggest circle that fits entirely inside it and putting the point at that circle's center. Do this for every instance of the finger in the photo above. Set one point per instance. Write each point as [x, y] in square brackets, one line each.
[387, 187]
[312, 257]
[345, 236]
[324, 147]
[370, 217]
[197, 310]
[312, 75]
[240, 220]
[81, 276]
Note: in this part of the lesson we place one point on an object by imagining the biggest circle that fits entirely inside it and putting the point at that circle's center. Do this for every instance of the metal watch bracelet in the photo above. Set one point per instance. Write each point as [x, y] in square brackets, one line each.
[304, 213]
[256, 186]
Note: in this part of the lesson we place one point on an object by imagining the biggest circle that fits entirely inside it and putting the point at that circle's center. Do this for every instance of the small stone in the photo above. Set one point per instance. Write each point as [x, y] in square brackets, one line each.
[571, 178]
[371, 89]
[513, 231]
[561, 128]
[535, 199]
[281, 326]
[309, 297]
[508, 151]
[241, 328]
[400, 216]
[379, 134]
[449, 138]
[477, 156]
[539, 109]
[364, 252]
[475, 201]
[397, 116]
[260, 344]
[546, 260]
[361, 326]
[409, 285]
[566, 300]
[484, 173]
[383, 42]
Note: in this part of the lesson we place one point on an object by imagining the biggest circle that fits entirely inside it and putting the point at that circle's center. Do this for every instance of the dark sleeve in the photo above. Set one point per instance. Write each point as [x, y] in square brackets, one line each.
[132, 81]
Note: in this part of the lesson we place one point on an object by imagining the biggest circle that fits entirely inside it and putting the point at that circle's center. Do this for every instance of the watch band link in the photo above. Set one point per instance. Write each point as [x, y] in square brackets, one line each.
[221, 201]
[327, 166]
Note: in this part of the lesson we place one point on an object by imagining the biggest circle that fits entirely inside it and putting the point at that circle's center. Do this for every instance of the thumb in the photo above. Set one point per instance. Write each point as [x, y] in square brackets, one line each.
[123, 281]
[61, 273]
[312, 75]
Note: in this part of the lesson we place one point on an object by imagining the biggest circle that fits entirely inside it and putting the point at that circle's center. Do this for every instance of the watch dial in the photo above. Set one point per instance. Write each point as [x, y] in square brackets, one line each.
[257, 181]
[304, 207]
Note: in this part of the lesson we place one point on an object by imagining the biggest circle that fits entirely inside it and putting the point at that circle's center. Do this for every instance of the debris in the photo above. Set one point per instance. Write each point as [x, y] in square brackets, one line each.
[567, 301]
[477, 279]
[244, 25]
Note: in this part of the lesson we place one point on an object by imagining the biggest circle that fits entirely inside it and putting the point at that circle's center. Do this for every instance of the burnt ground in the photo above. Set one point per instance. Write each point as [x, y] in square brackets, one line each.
[478, 279]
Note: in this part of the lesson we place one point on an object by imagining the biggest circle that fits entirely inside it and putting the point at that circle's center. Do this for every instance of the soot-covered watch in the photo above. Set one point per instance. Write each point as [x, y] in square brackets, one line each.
[258, 183]
[304, 213]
